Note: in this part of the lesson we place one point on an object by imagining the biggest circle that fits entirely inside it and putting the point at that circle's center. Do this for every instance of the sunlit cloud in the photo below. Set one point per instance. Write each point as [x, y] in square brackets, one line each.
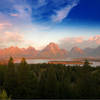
[11, 39]
[14, 15]
[95, 39]
[81, 42]
[5, 25]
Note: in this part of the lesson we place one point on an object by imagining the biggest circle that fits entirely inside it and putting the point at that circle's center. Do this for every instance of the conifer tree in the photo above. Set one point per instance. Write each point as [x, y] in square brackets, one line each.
[3, 95]
[23, 62]
[86, 63]
[10, 63]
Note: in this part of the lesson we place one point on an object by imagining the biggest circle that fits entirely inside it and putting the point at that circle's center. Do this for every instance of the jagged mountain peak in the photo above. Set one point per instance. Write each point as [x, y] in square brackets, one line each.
[76, 49]
[52, 50]
[52, 44]
[31, 48]
[53, 47]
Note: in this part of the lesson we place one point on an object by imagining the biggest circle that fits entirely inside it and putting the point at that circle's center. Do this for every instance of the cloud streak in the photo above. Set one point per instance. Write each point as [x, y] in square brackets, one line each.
[5, 25]
[61, 14]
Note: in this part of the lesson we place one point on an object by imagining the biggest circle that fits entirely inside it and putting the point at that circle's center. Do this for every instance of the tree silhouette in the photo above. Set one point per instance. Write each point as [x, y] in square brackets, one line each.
[86, 63]
[10, 62]
[36, 81]
[23, 62]
[10, 78]
[3, 95]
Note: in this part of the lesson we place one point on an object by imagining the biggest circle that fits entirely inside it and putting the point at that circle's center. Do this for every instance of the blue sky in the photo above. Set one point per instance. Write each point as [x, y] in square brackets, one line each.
[35, 23]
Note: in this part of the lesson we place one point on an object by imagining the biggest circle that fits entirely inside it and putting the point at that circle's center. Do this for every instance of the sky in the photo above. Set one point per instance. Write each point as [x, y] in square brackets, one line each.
[36, 23]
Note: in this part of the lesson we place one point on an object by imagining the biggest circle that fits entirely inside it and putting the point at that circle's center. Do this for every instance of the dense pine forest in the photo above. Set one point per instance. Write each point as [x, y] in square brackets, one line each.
[28, 81]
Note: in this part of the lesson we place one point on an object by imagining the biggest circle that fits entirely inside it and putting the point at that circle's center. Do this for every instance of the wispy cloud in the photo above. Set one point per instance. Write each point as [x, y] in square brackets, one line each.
[15, 15]
[33, 10]
[5, 25]
[41, 3]
[22, 13]
[63, 12]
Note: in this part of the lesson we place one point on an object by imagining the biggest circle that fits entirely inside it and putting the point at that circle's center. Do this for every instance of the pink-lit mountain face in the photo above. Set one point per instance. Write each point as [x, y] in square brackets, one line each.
[76, 52]
[18, 52]
[51, 51]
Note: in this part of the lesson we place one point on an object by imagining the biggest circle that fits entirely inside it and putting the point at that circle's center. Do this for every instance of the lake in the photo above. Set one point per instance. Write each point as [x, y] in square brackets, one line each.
[34, 61]
[41, 61]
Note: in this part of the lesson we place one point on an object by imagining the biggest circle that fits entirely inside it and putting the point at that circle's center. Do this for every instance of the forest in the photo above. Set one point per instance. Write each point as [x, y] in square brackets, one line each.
[48, 81]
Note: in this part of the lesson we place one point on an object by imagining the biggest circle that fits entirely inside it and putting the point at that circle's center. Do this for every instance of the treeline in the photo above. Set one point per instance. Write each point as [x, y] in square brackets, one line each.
[28, 81]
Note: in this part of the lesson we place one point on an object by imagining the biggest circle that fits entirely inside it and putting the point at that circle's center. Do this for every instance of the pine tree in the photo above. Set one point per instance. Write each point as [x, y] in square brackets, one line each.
[3, 95]
[23, 62]
[86, 63]
[10, 78]
[10, 63]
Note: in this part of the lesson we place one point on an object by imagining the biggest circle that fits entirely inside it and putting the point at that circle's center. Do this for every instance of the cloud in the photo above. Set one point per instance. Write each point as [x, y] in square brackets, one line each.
[5, 25]
[17, 12]
[63, 12]
[82, 42]
[41, 3]
[22, 14]
[11, 39]
[95, 38]
[15, 15]
[34, 10]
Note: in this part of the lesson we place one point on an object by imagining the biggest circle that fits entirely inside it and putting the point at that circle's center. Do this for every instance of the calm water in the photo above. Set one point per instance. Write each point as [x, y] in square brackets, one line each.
[34, 61]
[95, 63]
[40, 61]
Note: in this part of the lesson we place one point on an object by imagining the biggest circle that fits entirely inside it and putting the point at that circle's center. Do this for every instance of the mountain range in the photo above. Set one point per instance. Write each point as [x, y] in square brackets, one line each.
[51, 51]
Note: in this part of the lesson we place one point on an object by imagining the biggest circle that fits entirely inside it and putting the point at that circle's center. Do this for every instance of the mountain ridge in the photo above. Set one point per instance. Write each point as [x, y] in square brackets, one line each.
[52, 50]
